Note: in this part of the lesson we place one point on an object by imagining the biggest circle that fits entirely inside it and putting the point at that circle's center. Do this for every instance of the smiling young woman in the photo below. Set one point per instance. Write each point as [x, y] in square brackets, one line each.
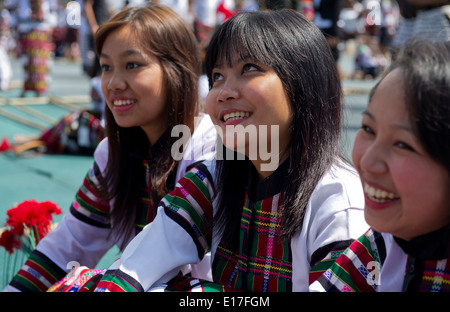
[402, 153]
[386, 149]
[151, 64]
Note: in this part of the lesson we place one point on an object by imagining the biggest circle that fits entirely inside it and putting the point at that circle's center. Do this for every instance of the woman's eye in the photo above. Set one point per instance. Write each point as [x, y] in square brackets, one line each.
[216, 77]
[250, 67]
[132, 65]
[404, 146]
[367, 129]
[105, 67]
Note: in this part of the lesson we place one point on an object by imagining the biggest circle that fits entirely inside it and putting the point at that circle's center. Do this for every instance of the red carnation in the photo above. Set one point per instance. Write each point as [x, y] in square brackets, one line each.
[36, 217]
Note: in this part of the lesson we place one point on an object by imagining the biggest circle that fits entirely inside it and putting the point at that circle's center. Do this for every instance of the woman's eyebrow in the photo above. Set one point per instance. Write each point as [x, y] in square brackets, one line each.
[398, 126]
[368, 114]
[128, 52]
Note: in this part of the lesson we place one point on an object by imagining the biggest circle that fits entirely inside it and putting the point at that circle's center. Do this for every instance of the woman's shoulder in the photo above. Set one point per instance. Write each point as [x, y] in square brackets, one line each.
[341, 180]
[338, 201]
[101, 154]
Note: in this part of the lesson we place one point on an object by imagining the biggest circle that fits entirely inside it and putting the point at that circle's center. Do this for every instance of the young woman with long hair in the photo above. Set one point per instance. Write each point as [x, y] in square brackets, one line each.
[150, 73]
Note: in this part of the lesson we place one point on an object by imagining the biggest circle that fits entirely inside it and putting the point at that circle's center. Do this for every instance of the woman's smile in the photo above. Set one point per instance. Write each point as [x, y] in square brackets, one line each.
[234, 117]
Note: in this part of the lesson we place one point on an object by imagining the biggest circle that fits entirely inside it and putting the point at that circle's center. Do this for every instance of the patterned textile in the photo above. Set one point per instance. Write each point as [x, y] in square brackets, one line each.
[436, 276]
[191, 284]
[146, 212]
[190, 206]
[358, 268]
[38, 47]
[325, 257]
[37, 274]
[263, 262]
[350, 272]
[83, 279]
[88, 206]
[78, 132]
[80, 279]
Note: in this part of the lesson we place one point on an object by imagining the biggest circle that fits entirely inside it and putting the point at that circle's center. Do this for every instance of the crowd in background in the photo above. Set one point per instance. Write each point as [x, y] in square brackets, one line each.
[370, 25]
[245, 216]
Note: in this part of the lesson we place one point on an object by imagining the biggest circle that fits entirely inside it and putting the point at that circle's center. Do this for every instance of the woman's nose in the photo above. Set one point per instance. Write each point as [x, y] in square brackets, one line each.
[116, 82]
[228, 91]
[373, 159]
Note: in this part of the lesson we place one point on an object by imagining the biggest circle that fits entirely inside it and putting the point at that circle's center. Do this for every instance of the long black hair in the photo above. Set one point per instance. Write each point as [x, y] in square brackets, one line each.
[299, 54]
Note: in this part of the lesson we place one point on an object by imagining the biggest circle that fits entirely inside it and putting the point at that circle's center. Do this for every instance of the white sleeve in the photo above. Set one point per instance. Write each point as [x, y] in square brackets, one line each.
[76, 240]
[75, 243]
[164, 246]
[335, 213]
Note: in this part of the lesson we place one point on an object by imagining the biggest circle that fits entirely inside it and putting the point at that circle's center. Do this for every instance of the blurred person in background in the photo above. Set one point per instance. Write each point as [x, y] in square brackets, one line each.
[36, 20]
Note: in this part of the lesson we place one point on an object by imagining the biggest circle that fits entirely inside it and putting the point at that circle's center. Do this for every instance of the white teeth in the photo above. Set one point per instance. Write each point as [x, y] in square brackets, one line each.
[124, 102]
[379, 195]
[235, 115]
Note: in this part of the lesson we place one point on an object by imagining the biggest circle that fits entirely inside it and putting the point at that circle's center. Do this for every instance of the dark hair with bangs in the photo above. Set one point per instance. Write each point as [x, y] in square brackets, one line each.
[425, 69]
[299, 54]
[166, 35]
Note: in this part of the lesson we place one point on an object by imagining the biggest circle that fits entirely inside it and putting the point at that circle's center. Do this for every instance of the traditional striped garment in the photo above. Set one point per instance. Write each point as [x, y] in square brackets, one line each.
[84, 139]
[88, 205]
[39, 272]
[260, 261]
[38, 48]
[350, 271]
[358, 269]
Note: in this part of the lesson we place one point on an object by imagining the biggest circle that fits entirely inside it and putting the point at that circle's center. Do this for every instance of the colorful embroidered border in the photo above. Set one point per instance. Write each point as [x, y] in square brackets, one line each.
[88, 205]
[190, 206]
[118, 281]
[353, 270]
[37, 274]
[323, 258]
[80, 279]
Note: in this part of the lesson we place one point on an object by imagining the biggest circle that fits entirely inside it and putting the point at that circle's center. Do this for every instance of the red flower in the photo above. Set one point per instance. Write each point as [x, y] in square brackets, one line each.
[9, 241]
[32, 215]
